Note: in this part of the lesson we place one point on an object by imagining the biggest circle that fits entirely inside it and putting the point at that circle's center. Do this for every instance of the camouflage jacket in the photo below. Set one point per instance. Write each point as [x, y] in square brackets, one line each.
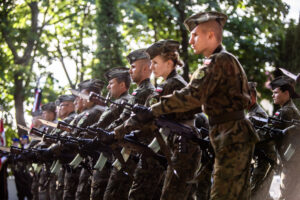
[88, 117]
[221, 86]
[67, 120]
[139, 96]
[288, 146]
[112, 113]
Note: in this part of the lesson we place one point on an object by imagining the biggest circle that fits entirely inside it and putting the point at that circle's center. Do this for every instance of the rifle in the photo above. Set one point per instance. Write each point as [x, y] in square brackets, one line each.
[273, 121]
[186, 132]
[129, 143]
[99, 100]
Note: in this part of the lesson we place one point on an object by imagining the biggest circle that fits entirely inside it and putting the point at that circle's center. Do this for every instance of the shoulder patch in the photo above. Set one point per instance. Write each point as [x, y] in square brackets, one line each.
[207, 61]
[159, 89]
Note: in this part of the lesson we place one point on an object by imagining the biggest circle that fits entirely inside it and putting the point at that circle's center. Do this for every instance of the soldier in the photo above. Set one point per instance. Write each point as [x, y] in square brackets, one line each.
[119, 183]
[164, 60]
[288, 146]
[221, 86]
[49, 114]
[118, 86]
[65, 112]
[91, 115]
[87, 114]
[264, 156]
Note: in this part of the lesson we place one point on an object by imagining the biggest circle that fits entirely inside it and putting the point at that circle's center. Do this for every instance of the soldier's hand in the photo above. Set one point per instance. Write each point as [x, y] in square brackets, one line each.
[142, 114]
[45, 154]
[276, 133]
[107, 138]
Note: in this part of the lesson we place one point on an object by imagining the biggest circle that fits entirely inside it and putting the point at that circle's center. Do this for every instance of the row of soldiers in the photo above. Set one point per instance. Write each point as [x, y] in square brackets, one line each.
[155, 142]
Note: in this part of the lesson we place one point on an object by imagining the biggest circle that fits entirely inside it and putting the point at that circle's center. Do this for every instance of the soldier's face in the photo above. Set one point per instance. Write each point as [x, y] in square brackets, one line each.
[279, 97]
[135, 71]
[161, 67]
[78, 104]
[199, 40]
[48, 115]
[86, 103]
[65, 108]
[115, 88]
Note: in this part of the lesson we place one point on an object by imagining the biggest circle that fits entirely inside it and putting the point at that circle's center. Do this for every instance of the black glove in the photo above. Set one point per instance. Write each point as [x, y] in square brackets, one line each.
[107, 137]
[45, 154]
[142, 114]
[276, 133]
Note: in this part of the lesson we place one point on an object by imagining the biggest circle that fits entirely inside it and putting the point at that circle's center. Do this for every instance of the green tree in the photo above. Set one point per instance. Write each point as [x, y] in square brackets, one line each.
[250, 33]
[33, 35]
[109, 40]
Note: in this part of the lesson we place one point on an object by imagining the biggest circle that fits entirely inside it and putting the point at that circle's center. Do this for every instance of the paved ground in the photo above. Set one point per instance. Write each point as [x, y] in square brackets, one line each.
[13, 194]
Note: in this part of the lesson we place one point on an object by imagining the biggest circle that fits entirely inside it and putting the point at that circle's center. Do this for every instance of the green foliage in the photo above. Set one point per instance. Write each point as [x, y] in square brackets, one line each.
[109, 41]
[288, 56]
[250, 33]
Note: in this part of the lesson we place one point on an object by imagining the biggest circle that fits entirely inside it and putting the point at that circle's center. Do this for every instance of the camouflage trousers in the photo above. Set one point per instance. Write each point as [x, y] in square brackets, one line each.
[290, 183]
[231, 177]
[60, 184]
[52, 187]
[99, 182]
[263, 172]
[70, 183]
[119, 182]
[84, 185]
[35, 186]
[186, 164]
[44, 181]
[201, 189]
[146, 179]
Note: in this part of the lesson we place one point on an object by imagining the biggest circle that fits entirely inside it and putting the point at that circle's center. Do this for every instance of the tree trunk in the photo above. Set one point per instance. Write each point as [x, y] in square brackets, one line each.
[19, 99]
[180, 7]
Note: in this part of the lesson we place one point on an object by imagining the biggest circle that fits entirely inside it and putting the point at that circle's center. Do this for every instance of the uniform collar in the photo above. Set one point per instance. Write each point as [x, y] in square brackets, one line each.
[124, 94]
[219, 49]
[144, 83]
[253, 107]
[172, 74]
[288, 103]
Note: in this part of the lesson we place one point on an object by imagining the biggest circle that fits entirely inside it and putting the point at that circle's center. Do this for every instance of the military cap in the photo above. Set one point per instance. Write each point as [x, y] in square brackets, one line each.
[252, 86]
[117, 72]
[284, 81]
[49, 107]
[36, 113]
[93, 85]
[137, 55]
[191, 22]
[63, 98]
[162, 46]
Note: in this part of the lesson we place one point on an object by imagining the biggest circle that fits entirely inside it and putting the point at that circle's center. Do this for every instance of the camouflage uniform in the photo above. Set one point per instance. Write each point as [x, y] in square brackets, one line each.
[290, 168]
[262, 174]
[221, 86]
[72, 183]
[149, 172]
[119, 183]
[84, 185]
[44, 175]
[142, 187]
[288, 145]
[201, 189]
[58, 181]
[100, 178]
